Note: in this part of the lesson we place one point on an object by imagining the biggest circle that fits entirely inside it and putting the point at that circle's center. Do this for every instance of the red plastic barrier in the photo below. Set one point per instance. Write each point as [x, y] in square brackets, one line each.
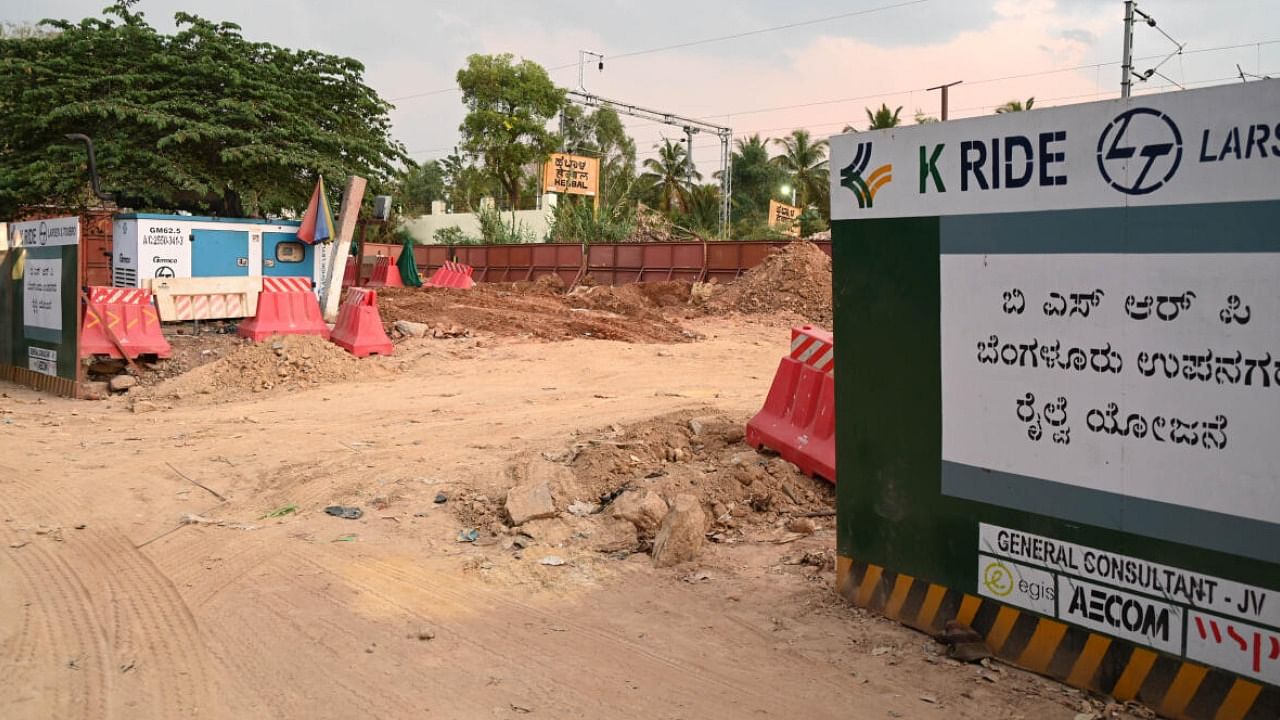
[286, 306]
[385, 274]
[118, 319]
[452, 275]
[798, 417]
[349, 275]
[359, 328]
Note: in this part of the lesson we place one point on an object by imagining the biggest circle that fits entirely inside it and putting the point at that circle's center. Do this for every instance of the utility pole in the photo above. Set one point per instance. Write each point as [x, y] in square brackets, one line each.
[1126, 61]
[690, 127]
[944, 89]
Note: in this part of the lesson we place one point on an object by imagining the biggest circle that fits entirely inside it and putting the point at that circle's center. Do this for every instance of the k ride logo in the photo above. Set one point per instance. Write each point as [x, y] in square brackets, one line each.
[1139, 151]
[865, 189]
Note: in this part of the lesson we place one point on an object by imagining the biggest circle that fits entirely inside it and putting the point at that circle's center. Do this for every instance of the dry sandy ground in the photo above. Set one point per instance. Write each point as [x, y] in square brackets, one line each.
[111, 609]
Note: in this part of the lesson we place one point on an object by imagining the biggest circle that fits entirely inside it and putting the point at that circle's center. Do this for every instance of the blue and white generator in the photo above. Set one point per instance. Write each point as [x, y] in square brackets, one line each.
[146, 246]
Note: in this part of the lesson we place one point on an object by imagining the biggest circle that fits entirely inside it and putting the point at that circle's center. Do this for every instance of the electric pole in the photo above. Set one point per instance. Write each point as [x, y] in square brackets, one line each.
[1126, 61]
[944, 89]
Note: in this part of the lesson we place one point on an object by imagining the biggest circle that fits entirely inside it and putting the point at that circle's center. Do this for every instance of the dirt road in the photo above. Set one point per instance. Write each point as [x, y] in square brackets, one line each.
[110, 608]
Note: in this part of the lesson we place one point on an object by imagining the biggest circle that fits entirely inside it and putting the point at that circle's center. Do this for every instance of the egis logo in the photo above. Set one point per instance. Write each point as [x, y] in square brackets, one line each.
[865, 189]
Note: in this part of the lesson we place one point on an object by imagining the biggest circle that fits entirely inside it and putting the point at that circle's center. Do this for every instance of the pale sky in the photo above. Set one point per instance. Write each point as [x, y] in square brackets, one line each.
[818, 76]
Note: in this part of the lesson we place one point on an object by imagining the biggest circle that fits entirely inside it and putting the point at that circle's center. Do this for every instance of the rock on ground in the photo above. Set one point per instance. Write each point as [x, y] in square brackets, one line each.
[681, 535]
[121, 383]
[531, 500]
[644, 510]
[410, 328]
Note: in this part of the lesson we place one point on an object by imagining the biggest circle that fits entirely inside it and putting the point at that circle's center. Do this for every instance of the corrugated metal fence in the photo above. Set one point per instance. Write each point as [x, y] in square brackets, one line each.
[612, 264]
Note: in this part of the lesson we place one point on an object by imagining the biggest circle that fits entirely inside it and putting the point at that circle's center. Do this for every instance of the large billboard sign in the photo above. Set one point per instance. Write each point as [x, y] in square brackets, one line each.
[1062, 342]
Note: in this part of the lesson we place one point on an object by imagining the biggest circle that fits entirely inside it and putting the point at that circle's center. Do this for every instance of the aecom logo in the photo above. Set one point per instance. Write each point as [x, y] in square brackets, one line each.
[865, 189]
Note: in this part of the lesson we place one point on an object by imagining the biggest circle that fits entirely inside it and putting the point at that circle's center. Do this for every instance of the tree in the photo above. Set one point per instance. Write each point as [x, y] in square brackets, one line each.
[508, 107]
[1016, 106]
[202, 120]
[805, 163]
[883, 117]
[465, 184]
[703, 214]
[922, 119]
[601, 134]
[666, 178]
[755, 181]
[420, 185]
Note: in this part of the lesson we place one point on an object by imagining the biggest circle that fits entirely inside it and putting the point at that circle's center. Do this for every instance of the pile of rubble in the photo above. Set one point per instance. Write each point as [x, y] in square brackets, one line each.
[796, 279]
[662, 486]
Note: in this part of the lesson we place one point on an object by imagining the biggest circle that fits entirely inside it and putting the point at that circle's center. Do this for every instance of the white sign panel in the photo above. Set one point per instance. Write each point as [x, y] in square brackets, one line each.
[1174, 148]
[1121, 614]
[42, 360]
[45, 233]
[1017, 584]
[1218, 595]
[42, 294]
[163, 248]
[1150, 373]
[1233, 645]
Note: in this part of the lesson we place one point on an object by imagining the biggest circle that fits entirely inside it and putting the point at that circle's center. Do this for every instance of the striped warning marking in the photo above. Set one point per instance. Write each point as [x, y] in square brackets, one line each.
[119, 296]
[209, 307]
[1175, 687]
[813, 347]
[286, 284]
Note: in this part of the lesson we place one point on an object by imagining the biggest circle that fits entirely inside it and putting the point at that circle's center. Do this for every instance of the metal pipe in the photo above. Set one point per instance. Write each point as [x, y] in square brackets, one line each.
[93, 166]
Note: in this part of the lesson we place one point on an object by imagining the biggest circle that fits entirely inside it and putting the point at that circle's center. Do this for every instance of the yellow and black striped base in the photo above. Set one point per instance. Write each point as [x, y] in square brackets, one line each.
[1172, 686]
[44, 383]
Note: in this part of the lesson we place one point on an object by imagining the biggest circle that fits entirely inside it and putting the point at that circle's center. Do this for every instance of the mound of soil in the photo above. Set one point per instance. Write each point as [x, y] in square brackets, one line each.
[290, 362]
[532, 310]
[796, 279]
[694, 451]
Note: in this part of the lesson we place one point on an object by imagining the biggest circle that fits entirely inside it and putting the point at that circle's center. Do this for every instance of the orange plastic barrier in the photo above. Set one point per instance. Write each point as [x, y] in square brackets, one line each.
[452, 275]
[385, 274]
[359, 329]
[798, 419]
[119, 322]
[286, 306]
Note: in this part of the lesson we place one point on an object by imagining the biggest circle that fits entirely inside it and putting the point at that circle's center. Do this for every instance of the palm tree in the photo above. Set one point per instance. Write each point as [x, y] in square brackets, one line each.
[806, 162]
[1015, 106]
[666, 178]
[883, 118]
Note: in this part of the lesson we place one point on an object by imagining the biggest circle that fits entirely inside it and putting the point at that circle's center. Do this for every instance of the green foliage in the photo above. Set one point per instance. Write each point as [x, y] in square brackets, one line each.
[202, 120]
[812, 221]
[575, 220]
[665, 180]
[419, 186]
[465, 184]
[508, 107]
[453, 235]
[601, 134]
[703, 214]
[1016, 106]
[805, 164]
[756, 180]
[883, 117]
[496, 230]
[922, 119]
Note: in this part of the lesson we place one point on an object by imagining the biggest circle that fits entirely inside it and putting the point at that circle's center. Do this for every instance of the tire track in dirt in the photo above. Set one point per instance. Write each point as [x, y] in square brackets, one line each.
[137, 616]
[64, 635]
